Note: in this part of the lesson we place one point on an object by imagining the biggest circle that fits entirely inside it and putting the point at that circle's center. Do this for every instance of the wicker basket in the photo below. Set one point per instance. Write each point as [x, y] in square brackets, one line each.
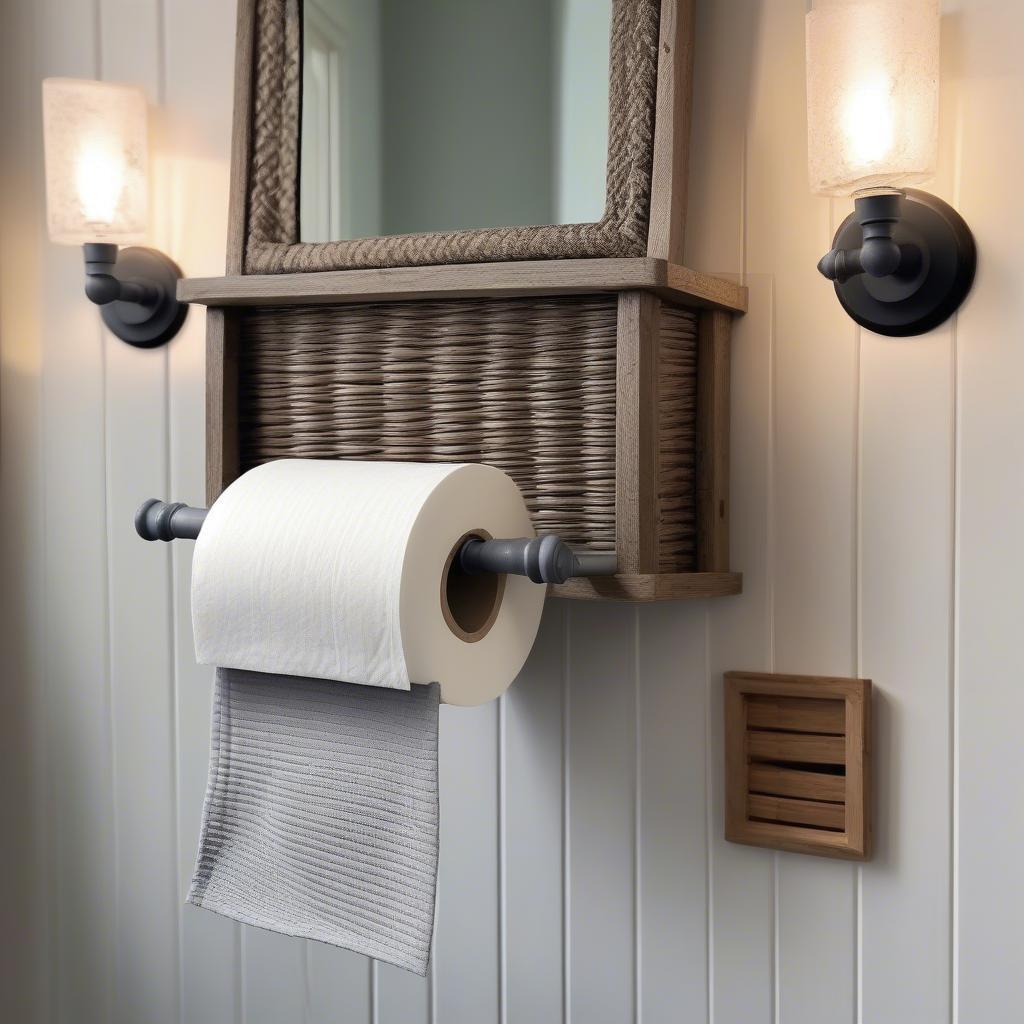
[524, 384]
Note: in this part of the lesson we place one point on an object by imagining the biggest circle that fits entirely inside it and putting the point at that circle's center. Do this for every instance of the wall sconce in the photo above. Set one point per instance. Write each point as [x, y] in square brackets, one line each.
[904, 261]
[96, 196]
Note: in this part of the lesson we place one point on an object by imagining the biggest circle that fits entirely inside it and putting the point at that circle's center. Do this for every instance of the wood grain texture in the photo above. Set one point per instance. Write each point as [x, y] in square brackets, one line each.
[241, 136]
[796, 714]
[771, 718]
[804, 839]
[636, 433]
[674, 105]
[667, 586]
[676, 387]
[222, 447]
[804, 785]
[713, 415]
[806, 749]
[796, 812]
[705, 290]
[535, 277]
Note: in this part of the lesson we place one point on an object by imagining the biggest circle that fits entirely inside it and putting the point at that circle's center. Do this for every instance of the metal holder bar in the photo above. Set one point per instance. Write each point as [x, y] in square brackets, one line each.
[546, 559]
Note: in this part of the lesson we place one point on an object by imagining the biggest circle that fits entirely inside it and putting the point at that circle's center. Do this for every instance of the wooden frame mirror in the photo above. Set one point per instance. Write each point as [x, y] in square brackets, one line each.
[650, 69]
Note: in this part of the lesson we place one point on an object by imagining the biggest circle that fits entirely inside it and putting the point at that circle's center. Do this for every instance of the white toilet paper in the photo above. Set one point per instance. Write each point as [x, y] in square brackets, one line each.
[339, 570]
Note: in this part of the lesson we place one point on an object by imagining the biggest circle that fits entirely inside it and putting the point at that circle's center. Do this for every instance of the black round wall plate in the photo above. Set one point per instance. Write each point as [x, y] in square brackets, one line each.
[146, 326]
[901, 308]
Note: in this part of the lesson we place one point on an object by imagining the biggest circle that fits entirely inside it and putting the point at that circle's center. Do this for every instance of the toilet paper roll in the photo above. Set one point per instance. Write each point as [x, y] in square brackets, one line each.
[344, 570]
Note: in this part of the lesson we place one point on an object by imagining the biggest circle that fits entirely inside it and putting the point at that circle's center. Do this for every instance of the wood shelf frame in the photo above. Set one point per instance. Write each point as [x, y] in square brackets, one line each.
[643, 574]
[466, 280]
[644, 278]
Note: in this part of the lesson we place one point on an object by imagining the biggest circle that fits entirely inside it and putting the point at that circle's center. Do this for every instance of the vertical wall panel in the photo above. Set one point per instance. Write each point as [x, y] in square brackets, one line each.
[25, 774]
[338, 985]
[989, 837]
[532, 826]
[907, 557]
[141, 694]
[602, 811]
[466, 928]
[739, 634]
[906, 535]
[399, 997]
[76, 618]
[142, 704]
[190, 172]
[811, 551]
[672, 869]
[741, 880]
[273, 977]
[722, 69]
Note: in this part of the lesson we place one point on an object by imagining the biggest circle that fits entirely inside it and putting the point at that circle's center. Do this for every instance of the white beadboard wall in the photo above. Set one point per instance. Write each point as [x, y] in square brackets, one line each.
[878, 494]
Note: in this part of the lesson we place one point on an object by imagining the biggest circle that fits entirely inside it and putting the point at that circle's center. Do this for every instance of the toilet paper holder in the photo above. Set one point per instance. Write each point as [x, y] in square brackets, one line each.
[544, 559]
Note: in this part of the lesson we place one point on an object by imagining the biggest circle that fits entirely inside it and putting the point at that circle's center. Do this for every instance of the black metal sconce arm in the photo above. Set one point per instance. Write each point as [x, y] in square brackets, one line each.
[879, 254]
[902, 262]
[135, 289]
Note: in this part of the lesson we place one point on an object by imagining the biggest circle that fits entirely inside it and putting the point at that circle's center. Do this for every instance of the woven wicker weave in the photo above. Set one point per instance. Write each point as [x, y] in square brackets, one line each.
[527, 385]
[677, 437]
[272, 244]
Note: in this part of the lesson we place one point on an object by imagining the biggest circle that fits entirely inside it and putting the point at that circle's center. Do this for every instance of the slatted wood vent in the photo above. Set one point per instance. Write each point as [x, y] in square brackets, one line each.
[797, 763]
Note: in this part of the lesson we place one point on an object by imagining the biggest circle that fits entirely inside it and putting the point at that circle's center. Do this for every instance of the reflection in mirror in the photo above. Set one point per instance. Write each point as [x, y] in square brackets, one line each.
[447, 115]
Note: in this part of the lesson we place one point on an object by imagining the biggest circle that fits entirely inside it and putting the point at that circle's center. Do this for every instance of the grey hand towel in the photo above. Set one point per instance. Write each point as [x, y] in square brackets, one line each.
[321, 813]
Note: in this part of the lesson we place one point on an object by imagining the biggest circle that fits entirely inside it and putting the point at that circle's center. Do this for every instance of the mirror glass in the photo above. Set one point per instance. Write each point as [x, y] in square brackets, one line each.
[445, 115]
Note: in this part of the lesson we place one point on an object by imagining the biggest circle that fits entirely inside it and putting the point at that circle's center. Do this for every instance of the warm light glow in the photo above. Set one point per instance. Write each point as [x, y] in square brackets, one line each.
[872, 93]
[96, 156]
[99, 178]
[867, 120]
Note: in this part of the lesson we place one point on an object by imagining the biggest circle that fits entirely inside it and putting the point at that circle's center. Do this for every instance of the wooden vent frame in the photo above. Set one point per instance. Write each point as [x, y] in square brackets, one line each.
[797, 763]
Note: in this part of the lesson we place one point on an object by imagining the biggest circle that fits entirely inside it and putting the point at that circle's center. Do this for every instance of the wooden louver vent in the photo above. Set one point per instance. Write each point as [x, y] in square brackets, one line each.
[797, 759]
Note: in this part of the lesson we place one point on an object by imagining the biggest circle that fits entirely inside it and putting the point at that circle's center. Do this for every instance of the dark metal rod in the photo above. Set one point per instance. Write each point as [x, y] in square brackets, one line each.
[546, 559]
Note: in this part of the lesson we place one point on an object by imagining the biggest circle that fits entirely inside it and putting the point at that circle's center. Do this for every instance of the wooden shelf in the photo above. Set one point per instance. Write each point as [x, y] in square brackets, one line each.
[545, 277]
[674, 586]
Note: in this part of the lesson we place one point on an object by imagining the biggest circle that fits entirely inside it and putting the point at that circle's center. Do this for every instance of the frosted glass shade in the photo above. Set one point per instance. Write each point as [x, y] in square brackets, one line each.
[96, 159]
[872, 94]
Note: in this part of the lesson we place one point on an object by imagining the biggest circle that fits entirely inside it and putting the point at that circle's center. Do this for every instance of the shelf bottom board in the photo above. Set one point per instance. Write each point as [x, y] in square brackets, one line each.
[670, 586]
